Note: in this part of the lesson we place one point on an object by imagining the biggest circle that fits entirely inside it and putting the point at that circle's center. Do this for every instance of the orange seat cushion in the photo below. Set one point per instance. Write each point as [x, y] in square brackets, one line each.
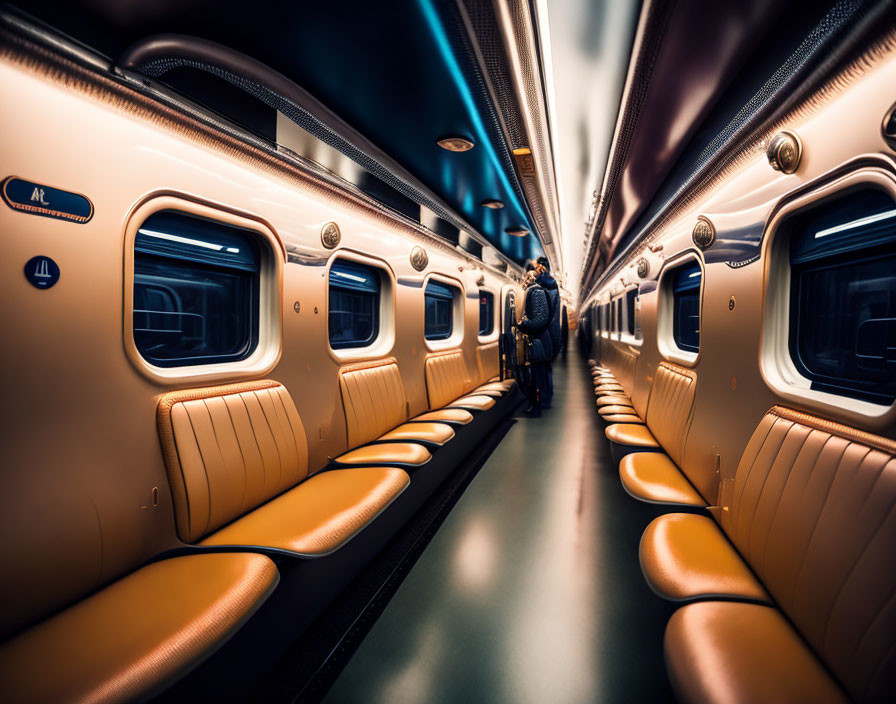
[399, 453]
[631, 434]
[435, 433]
[473, 403]
[654, 478]
[456, 416]
[625, 409]
[614, 400]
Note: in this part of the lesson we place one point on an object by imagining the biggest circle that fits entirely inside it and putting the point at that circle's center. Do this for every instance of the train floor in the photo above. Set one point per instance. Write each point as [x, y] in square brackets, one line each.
[531, 590]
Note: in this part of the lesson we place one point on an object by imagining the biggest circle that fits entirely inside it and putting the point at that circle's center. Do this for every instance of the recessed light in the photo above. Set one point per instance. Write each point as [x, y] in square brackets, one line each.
[521, 151]
[455, 144]
[517, 231]
[493, 204]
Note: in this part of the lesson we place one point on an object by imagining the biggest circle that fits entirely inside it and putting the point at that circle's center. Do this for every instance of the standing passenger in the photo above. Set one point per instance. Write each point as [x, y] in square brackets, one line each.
[535, 323]
[546, 281]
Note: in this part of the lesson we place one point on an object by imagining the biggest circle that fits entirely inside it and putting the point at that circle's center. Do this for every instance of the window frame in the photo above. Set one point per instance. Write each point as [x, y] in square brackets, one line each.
[776, 365]
[457, 328]
[492, 334]
[377, 315]
[272, 256]
[666, 342]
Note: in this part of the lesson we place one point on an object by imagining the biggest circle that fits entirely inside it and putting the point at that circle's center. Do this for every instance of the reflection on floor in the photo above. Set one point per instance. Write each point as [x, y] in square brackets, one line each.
[531, 590]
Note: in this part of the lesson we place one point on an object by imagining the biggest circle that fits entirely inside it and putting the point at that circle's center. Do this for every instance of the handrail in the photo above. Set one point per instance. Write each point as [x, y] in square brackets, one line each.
[157, 55]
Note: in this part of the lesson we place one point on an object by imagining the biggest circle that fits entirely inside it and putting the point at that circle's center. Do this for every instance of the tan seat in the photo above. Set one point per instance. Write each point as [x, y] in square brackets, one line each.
[811, 511]
[685, 556]
[403, 454]
[430, 433]
[741, 654]
[230, 450]
[613, 400]
[473, 403]
[376, 407]
[631, 435]
[627, 418]
[654, 478]
[320, 515]
[495, 387]
[624, 409]
[138, 634]
[609, 390]
[452, 416]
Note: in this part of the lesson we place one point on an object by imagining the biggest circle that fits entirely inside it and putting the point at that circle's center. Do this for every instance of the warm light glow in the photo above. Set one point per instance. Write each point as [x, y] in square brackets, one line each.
[522, 151]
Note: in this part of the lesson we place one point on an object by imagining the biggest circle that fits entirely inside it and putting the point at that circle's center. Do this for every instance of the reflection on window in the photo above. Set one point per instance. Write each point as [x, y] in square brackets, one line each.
[686, 307]
[630, 297]
[486, 313]
[354, 305]
[843, 297]
[196, 285]
[439, 316]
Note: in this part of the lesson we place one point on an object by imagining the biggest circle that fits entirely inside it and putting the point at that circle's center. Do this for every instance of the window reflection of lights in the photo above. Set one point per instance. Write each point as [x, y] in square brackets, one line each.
[184, 240]
[856, 223]
[351, 277]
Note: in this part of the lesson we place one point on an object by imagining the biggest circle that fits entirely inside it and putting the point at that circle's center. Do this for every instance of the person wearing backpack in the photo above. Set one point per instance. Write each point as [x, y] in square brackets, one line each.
[552, 291]
[535, 323]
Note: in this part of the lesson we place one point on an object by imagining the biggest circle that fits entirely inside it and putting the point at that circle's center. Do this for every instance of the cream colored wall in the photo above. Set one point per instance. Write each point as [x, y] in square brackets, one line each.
[840, 131]
[80, 449]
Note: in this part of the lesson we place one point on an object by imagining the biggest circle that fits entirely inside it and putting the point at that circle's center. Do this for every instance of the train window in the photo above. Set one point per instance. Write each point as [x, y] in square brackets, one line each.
[439, 315]
[354, 304]
[618, 305]
[196, 291]
[686, 306]
[842, 335]
[630, 297]
[486, 313]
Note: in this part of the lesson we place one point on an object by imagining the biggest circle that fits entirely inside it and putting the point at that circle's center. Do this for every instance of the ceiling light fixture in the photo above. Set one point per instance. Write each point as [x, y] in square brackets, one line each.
[455, 144]
[493, 204]
[517, 231]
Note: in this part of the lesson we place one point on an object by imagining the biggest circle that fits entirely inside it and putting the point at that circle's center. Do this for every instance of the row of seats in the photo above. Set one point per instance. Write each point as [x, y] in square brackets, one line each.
[789, 583]
[244, 499]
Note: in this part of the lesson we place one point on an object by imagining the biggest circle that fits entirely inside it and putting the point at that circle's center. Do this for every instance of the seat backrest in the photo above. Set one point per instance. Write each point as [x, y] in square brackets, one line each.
[813, 511]
[670, 407]
[487, 361]
[228, 449]
[446, 378]
[373, 399]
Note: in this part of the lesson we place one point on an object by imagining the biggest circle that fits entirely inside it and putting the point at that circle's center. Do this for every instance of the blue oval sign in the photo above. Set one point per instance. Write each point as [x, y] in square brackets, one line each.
[37, 199]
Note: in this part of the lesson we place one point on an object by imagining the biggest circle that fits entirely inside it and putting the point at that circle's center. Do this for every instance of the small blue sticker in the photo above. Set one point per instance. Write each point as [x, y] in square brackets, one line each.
[38, 199]
[42, 272]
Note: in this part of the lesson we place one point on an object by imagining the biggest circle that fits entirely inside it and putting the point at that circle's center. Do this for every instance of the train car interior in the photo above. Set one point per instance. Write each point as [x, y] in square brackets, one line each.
[448, 351]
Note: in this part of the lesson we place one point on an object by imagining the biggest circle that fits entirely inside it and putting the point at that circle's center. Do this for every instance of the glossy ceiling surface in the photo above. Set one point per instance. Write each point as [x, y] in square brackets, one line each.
[402, 74]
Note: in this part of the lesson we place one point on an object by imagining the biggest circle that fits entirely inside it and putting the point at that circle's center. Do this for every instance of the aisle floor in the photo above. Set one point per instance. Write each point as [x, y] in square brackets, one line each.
[531, 589]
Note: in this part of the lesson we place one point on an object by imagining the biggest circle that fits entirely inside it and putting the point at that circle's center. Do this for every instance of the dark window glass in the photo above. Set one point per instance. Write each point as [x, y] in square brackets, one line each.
[354, 304]
[630, 297]
[486, 313]
[843, 297]
[686, 306]
[196, 286]
[618, 315]
[439, 316]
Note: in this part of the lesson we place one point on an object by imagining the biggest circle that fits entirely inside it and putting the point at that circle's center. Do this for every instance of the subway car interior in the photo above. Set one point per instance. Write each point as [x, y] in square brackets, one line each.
[450, 351]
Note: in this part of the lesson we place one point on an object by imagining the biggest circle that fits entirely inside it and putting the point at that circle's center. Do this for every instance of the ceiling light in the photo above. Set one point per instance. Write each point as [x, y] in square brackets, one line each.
[493, 204]
[521, 151]
[517, 231]
[455, 144]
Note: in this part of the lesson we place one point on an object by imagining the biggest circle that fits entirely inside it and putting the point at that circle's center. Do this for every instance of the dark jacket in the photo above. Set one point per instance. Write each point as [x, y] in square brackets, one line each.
[535, 324]
[547, 282]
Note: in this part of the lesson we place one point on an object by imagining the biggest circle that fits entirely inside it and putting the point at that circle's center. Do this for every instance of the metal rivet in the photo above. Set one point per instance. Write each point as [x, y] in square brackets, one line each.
[734, 383]
[297, 306]
[704, 233]
[155, 496]
[419, 258]
[643, 267]
[784, 152]
[330, 235]
[731, 303]
[315, 310]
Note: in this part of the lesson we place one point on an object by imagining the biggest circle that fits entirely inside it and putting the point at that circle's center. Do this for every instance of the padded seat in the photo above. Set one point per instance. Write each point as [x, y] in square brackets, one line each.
[742, 653]
[430, 433]
[625, 409]
[622, 417]
[321, 514]
[686, 556]
[453, 416]
[140, 633]
[614, 400]
[405, 454]
[654, 478]
[498, 386]
[473, 403]
[631, 435]
[604, 390]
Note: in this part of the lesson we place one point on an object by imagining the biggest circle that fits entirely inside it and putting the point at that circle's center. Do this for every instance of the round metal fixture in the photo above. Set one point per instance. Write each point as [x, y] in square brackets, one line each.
[454, 143]
[517, 231]
[493, 204]
[731, 303]
[888, 127]
[704, 233]
[419, 258]
[297, 307]
[784, 152]
[330, 235]
[643, 267]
